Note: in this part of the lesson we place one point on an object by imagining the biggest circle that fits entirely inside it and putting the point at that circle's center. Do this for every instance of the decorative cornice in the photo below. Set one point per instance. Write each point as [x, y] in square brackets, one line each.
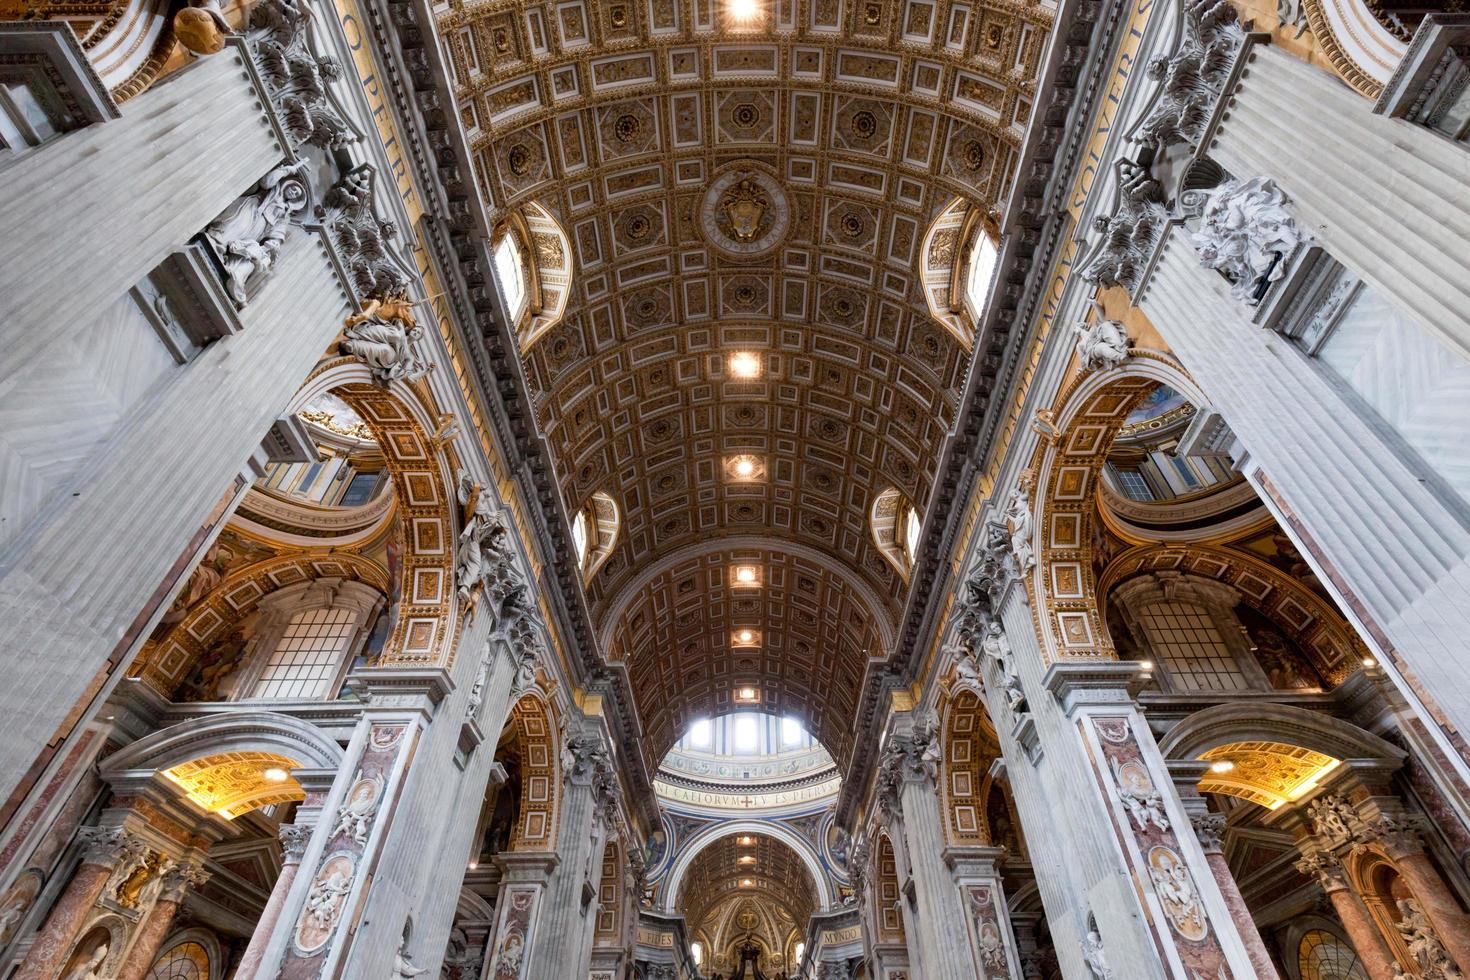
[461, 240]
[1034, 235]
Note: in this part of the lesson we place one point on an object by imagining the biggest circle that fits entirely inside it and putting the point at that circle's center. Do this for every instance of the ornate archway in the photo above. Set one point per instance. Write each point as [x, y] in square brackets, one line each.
[1063, 583]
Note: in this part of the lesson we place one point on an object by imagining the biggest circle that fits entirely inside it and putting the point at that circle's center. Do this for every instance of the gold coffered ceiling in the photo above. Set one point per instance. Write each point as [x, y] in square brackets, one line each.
[725, 869]
[765, 189]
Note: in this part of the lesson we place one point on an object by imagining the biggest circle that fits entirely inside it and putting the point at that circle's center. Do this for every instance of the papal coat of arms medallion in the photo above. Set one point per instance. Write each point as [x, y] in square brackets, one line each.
[745, 212]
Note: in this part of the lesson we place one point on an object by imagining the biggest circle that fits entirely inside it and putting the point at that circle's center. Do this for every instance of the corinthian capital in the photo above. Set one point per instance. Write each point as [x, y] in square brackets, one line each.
[1325, 868]
[110, 846]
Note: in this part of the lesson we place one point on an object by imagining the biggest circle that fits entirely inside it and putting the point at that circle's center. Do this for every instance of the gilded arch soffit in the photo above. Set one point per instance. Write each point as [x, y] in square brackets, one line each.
[778, 877]
[854, 125]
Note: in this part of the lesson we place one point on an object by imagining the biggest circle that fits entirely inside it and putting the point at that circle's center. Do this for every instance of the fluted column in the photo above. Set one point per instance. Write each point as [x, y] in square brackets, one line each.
[148, 938]
[1373, 952]
[940, 935]
[105, 849]
[1384, 196]
[294, 838]
[1389, 546]
[563, 944]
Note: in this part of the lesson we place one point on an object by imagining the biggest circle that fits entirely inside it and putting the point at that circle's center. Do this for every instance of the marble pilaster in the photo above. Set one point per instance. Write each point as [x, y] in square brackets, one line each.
[977, 874]
[1388, 544]
[938, 930]
[318, 933]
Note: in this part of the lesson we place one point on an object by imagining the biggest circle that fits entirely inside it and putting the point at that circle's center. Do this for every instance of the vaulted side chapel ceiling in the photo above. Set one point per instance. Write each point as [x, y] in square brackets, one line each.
[764, 185]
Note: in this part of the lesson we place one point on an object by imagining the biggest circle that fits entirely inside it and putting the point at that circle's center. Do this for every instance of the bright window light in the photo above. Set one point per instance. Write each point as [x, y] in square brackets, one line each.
[747, 733]
[911, 527]
[982, 269]
[512, 279]
[800, 950]
[791, 732]
[579, 535]
[699, 732]
[696, 950]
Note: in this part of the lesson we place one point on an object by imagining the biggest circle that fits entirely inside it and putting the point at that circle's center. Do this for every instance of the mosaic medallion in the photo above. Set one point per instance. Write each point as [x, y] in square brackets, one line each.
[745, 212]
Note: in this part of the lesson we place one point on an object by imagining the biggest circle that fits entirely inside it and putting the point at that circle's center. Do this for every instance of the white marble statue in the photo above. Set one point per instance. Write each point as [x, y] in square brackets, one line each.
[1103, 344]
[1095, 957]
[1424, 945]
[89, 970]
[248, 235]
[403, 966]
[1019, 523]
[470, 556]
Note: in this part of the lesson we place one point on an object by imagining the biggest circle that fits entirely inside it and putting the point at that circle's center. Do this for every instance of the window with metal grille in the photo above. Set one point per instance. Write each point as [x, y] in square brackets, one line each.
[1323, 956]
[1185, 638]
[305, 660]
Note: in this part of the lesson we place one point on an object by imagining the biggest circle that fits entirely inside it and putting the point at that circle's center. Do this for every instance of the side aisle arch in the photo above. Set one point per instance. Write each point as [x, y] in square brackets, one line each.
[426, 614]
[1063, 584]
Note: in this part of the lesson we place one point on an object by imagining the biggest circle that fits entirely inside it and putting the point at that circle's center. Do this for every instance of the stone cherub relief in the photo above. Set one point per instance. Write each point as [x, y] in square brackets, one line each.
[1424, 945]
[1246, 233]
[1095, 956]
[1194, 76]
[1103, 344]
[248, 236]
[1144, 803]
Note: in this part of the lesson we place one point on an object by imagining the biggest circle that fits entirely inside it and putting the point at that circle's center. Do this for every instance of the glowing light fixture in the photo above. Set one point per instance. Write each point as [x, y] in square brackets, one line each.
[275, 774]
[746, 575]
[745, 467]
[743, 11]
[1222, 765]
[1145, 665]
[747, 883]
[747, 695]
[745, 364]
[747, 841]
[748, 859]
[474, 865]
[1369, 662]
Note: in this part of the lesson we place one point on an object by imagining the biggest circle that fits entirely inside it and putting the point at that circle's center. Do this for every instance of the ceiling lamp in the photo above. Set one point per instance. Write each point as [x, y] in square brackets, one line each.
[743, 11]
[1222, 766]
[747, 575]
[746, 637]
[745, 365]
[747, 841]
[746, 883]
[275, 775]
[748, 859]
[747, 695]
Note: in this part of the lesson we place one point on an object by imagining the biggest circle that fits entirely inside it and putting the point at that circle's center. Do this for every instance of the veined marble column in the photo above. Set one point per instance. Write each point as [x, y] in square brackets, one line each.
[977, 873]
[1208, 828]
[294, 838]
[148, 937]
[105, 849]
[1373, 952]
[1406, 849]
[940, 933]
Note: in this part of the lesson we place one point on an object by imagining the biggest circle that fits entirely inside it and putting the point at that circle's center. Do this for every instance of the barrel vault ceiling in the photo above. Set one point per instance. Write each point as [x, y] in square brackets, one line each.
[848, 126]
